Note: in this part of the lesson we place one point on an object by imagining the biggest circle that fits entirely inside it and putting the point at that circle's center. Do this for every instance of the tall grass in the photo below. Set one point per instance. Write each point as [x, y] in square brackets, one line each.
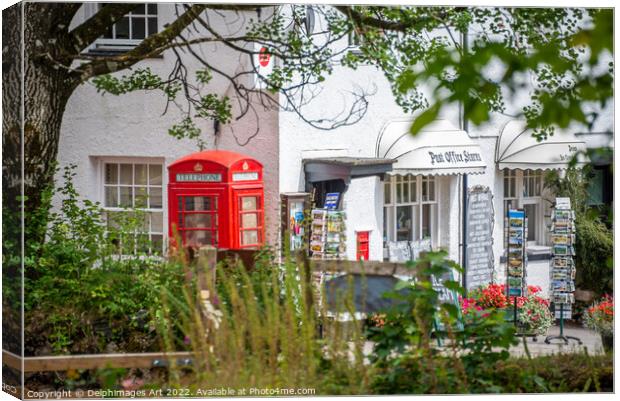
[264, 329]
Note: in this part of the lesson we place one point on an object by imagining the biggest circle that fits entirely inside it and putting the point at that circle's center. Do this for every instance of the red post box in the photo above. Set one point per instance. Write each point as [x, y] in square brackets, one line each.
[216, 198]
[363, 249]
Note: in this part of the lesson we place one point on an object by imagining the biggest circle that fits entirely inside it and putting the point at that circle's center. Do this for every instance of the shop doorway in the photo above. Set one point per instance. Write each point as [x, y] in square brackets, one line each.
[321, 188]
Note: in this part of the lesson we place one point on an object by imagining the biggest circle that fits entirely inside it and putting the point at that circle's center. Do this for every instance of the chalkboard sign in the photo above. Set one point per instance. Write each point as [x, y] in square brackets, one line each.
[480, 218]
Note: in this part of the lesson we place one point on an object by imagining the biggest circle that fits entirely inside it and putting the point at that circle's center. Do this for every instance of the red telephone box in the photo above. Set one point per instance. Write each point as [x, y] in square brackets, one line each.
[216, 198]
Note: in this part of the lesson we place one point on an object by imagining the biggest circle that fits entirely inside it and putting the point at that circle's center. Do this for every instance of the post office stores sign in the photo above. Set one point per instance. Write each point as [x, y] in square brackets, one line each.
[453, 157]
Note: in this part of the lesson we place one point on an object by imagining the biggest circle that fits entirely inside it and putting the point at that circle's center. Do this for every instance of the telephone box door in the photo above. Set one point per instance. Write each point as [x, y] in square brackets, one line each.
[249, 228]
[197, 219]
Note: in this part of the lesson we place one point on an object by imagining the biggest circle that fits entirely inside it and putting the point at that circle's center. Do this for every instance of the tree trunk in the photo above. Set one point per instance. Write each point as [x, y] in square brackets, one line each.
[43, 85]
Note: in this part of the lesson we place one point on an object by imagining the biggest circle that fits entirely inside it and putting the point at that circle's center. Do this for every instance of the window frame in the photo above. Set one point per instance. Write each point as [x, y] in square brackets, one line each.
[390, 210]
[117, 44]
[101, 193]
[523, 179]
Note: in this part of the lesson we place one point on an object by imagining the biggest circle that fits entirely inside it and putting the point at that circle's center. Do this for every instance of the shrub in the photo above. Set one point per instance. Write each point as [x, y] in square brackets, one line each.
[594, 240]
[262, 330]
[408, 360]
[81, 296]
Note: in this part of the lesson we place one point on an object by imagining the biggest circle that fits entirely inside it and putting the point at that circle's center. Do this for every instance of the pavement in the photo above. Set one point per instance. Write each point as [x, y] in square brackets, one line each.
[590, 341]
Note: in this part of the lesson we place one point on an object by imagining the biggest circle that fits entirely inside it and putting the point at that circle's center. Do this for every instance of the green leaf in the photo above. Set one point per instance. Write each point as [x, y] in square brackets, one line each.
[425, 118]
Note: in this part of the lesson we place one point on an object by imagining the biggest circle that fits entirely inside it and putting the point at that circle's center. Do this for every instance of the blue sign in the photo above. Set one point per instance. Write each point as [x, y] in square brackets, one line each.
[331, 200]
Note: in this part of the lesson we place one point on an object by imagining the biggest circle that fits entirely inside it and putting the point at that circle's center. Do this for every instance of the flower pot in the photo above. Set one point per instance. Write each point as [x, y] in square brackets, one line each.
[608, 342]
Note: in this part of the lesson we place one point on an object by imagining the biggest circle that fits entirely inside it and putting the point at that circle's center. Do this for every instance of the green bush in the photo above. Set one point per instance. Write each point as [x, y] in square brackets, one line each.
[594, 260]
[594, 240]
[81, 294]
[409, 361]
[260, 330]
[561, 373]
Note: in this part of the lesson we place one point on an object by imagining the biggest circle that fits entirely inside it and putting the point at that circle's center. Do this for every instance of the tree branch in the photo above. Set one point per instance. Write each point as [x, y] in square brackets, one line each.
[94, 27]
[360, 19]
[151, 46]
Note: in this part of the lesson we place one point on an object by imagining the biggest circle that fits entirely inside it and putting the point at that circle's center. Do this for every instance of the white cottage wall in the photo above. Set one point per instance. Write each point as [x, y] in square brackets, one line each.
[132, 126]
[363, 203]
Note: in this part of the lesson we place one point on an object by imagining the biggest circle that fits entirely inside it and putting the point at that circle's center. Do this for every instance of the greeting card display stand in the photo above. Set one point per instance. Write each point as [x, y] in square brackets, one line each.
[562, 272]
[516, 261]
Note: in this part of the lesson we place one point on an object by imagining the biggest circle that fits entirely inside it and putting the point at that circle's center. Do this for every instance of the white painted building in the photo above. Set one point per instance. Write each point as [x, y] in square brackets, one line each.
[394, 187]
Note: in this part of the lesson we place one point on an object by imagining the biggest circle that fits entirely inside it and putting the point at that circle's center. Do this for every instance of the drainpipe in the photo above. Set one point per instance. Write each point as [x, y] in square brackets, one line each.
[464, 127]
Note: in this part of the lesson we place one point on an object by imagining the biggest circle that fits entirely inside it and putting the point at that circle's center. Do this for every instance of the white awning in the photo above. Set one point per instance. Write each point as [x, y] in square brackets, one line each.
[518, 149]
[439, 149]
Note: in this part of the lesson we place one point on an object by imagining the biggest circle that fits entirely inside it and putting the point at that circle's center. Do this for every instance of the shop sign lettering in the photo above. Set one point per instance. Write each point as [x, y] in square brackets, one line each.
[452, 157]
[195, 177]
[571, 153]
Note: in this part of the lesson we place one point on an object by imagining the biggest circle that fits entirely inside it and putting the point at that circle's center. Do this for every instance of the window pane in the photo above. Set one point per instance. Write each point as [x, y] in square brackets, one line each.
[141, 197]
[126, 174]
[138, 28]
[414, 190]
[399, 192]
[249, 220]
[152, 22]
[126, 197]
[111, 173]
[157, 243]
[198, 220]
[198, 238]
[431, 189]
[157, 222]
[122, 28]
[152, 9]
[249, 237]
[155, 198]
[427, 216]
[111, 197]
[404, 223]
[388, 224]
[154, 174]
[406, 192]
[530, 213]
[143, 243]
[109, 34]
[139, 9]
[513, 186]
[140, 174]
[113, 220]
[248, 203]
[386, 193]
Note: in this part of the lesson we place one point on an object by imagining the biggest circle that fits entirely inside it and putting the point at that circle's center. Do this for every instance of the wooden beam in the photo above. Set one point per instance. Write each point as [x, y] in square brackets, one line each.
[11, 360]
[96, 361]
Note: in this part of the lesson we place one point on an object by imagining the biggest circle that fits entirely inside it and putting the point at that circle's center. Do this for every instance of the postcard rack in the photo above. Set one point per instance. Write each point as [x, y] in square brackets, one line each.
[327, 238]
[516, 256]
[562, 266]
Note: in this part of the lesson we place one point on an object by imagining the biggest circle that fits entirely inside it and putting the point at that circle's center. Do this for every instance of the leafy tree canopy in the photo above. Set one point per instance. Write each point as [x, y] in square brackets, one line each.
[477, 56]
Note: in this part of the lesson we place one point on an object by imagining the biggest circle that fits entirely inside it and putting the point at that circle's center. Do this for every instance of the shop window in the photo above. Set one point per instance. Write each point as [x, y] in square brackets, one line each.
[532, 183]
[523, 189]
[409, 217]
[132, 198]
[428, 189]
[387, 194]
